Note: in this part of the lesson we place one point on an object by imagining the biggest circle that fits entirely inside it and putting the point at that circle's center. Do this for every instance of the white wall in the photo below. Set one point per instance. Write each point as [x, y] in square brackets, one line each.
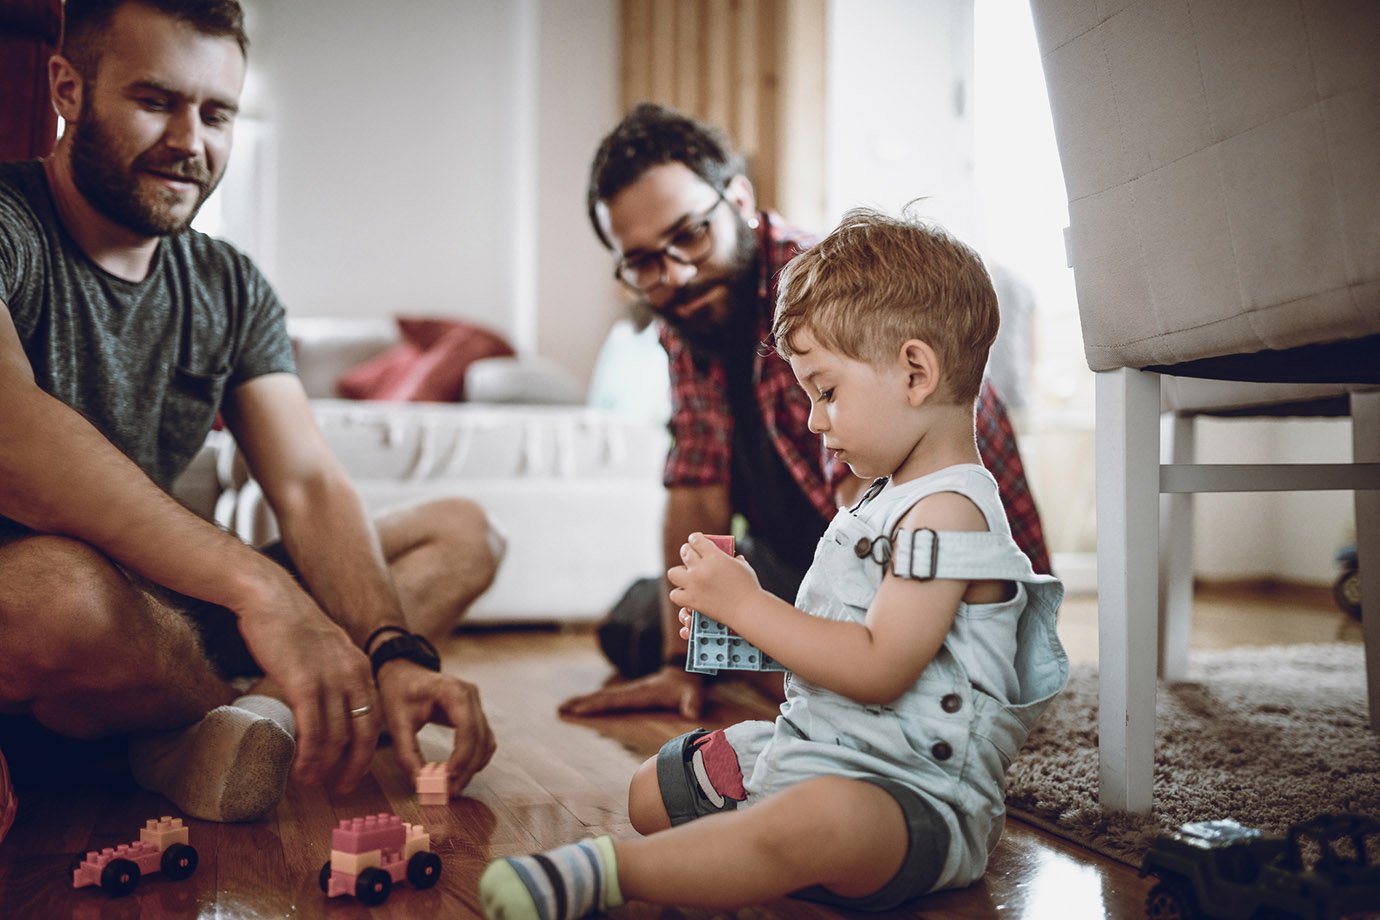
[1291, 536]
[429, 156]
[899, 102]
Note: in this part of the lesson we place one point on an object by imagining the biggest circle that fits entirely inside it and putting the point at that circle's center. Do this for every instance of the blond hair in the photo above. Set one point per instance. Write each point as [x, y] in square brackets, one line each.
[878, 281]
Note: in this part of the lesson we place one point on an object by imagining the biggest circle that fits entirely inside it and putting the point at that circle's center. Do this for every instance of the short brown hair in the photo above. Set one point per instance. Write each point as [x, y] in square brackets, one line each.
[85, 22]
[878, 281]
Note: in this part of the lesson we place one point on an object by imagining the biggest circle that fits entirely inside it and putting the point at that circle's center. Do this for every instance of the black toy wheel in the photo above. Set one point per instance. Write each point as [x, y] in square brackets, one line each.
[119, 877]
[1171, 901]
[1346, 591]
[179, 861]
[372, 886]
[324, 878]
[423, 870]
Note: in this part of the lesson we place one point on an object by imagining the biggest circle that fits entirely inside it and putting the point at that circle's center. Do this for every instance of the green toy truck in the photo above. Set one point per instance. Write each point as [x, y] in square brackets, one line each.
[1323, 869]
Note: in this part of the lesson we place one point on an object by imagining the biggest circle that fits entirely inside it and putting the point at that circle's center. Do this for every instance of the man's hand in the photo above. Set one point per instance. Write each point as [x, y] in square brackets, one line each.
[322, 677]
[412, 696]
[711, 581]
[670, 688]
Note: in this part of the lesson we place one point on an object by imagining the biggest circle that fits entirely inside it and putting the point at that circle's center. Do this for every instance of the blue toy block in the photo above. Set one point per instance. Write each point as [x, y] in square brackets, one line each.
[715, 647]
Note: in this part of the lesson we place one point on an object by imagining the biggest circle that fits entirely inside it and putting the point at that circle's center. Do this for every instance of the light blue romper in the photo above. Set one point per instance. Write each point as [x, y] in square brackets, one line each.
[952, 735]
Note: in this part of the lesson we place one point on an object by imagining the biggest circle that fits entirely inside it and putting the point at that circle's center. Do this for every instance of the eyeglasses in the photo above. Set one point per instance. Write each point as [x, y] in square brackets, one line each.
[690, 245]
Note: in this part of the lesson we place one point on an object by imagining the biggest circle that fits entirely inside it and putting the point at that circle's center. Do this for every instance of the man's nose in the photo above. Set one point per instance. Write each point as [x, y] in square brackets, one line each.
[183, 131]
[676, 274]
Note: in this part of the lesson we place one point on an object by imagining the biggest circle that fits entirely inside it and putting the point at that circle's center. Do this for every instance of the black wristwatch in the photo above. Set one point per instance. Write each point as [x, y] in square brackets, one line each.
[407, 645]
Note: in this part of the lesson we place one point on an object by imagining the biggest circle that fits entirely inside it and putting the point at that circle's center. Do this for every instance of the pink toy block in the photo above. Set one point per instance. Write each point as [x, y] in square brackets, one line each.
[359, 835]
[431, 784]
[369, 855]
[163, 831]
[162, 847]
[724, 542]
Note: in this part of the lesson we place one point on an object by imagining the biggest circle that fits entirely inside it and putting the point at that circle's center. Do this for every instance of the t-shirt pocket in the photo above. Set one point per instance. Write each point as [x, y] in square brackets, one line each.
[190, 406]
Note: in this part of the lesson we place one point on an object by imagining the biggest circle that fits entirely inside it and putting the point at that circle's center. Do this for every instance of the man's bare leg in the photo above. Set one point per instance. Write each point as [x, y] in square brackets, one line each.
[442, 555]
[100, 656]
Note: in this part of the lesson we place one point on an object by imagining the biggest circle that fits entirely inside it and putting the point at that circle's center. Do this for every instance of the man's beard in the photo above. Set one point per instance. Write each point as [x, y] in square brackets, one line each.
[736, 329]
[114, 191]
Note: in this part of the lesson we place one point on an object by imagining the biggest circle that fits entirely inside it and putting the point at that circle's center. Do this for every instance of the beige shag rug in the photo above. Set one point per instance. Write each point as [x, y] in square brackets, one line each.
[1267, 736]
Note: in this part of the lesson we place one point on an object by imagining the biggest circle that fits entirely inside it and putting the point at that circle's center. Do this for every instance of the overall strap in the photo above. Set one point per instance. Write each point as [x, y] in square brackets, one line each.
[969, 555]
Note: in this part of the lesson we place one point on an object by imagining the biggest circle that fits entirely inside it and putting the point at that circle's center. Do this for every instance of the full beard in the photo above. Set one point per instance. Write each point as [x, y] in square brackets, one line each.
[735, 327]
[114, 191]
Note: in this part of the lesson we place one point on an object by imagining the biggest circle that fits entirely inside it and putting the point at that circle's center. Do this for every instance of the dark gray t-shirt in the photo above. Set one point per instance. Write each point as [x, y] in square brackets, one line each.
[146, 362]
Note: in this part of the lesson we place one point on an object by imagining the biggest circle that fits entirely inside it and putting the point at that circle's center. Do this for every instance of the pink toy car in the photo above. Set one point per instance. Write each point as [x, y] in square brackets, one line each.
[162, 846]
[368, 855]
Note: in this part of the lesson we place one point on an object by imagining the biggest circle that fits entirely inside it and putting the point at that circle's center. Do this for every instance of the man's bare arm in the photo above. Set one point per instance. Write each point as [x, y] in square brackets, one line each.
[332, 541]
[62, 476]
[688, 509]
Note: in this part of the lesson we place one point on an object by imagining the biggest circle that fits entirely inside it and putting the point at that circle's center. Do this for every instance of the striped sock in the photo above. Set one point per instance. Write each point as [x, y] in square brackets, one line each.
[576, 880]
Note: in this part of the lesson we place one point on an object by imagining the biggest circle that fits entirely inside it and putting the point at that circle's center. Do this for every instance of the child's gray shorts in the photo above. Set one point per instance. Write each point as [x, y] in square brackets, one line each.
[928, 848]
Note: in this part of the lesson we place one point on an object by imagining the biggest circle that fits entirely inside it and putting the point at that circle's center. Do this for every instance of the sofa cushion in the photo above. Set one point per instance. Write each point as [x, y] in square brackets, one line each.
[427, 366]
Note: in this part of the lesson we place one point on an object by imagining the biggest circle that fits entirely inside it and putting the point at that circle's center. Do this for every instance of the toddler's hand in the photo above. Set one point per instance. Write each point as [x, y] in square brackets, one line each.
[710, 581]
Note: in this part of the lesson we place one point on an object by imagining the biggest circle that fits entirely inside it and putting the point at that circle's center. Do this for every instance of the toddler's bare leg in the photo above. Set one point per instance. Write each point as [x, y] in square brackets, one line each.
[846, 835]
[646, 807]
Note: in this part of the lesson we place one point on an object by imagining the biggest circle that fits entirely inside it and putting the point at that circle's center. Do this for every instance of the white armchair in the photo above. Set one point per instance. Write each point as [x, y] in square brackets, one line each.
[1224, 206]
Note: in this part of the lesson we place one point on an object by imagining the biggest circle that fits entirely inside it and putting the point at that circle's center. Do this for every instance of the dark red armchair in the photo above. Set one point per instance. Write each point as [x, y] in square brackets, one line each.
[29, 32]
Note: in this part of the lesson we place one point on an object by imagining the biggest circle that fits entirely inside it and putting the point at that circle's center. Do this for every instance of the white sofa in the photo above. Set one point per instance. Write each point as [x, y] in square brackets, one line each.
[574, 486]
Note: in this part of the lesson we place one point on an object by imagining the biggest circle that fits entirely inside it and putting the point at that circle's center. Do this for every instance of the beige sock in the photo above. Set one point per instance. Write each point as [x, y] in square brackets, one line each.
[231, 766]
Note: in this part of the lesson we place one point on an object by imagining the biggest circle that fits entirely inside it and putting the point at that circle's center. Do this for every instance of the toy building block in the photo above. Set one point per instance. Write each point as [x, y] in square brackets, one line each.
[162, 847]
[431, 784]
[713, 646]
[369, 855]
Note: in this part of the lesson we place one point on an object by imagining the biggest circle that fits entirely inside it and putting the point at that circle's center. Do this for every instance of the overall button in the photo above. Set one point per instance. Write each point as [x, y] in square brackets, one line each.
[951, 702]
[942, 750]
[862, 548]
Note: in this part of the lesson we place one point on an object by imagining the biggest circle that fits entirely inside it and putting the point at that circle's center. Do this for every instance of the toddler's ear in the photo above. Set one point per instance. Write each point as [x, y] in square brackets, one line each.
[921, 366]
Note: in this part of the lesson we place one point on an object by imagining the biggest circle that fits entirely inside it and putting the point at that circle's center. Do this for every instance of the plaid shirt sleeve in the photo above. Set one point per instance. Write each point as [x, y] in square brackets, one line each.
[996, 441]
[701, 422]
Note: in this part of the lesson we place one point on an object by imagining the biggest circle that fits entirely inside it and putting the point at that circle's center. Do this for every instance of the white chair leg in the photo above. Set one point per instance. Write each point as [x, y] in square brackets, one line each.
[1176, 556]
[1127, 451]
[1365, 448]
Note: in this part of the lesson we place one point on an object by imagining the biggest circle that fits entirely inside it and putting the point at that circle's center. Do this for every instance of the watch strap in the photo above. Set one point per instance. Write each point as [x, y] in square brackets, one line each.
[411, 646]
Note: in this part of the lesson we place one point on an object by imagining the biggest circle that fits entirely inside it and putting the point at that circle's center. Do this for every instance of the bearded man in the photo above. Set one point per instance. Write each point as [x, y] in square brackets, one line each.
[669, 198]
[123, 334]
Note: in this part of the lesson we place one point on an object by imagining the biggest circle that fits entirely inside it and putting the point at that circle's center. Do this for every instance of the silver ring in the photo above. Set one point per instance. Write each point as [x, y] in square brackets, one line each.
[361, 711]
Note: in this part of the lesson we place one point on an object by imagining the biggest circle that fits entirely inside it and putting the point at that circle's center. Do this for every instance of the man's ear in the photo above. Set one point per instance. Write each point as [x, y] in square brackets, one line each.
[921, 367]
[740, 194]
[65, 87]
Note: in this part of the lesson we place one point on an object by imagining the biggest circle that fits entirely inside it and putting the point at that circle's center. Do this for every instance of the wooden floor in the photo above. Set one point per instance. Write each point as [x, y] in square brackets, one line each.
[552, 781]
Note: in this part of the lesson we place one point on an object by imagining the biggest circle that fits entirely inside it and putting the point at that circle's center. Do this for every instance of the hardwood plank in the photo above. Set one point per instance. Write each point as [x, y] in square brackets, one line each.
[552, 780]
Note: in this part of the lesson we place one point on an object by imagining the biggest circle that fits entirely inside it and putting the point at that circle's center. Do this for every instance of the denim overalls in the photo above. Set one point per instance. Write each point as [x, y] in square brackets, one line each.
[952, 735]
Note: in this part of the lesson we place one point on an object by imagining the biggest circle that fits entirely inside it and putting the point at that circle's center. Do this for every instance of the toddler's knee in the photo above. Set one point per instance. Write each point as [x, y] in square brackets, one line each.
[646, 808]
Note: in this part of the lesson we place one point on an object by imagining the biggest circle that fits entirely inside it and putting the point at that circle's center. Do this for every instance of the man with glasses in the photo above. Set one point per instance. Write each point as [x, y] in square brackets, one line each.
[668, 196]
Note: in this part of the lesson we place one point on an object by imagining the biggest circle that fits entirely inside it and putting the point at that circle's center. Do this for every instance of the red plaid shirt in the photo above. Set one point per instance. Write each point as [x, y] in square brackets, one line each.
[702, 419]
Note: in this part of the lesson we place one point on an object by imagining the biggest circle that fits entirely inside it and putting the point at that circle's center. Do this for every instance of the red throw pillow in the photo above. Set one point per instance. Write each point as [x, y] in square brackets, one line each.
[429, 365]
[379, 373]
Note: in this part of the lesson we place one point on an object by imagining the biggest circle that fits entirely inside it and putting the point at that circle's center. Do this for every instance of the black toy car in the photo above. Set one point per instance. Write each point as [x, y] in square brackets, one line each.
[1324, 869]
